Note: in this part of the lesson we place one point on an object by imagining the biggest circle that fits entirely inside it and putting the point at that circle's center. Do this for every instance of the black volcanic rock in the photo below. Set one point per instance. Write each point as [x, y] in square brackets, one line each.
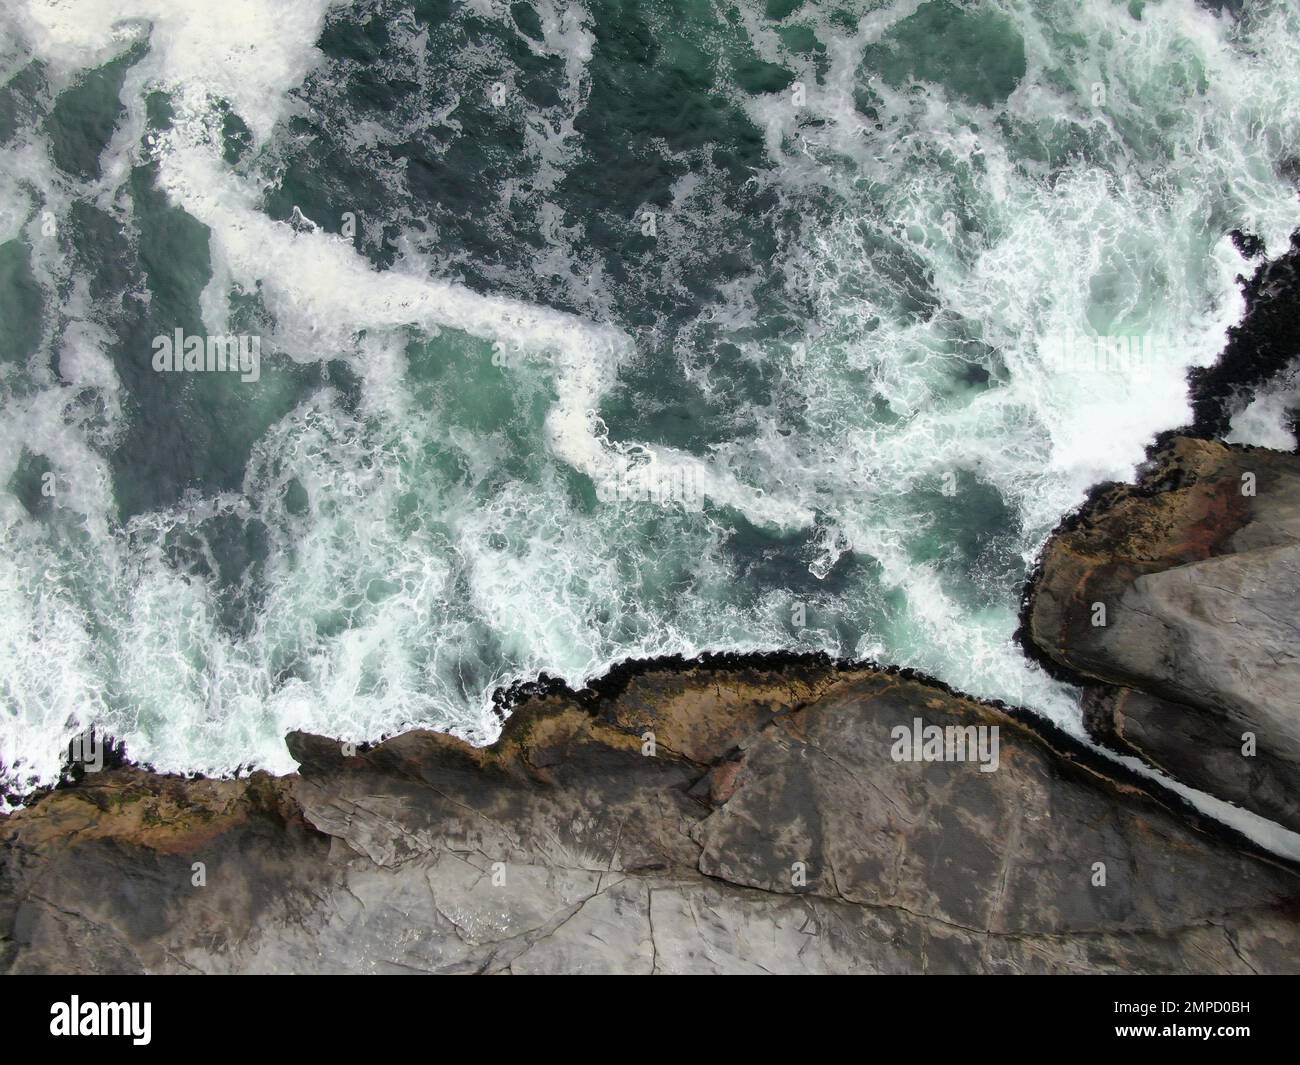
[1259, 349]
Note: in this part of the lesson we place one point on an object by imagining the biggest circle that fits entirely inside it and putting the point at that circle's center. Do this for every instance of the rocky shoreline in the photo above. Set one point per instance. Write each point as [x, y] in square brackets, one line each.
[1172, 602]
[740, 819]
[760, 813]
[771, 813]
[1258, 350]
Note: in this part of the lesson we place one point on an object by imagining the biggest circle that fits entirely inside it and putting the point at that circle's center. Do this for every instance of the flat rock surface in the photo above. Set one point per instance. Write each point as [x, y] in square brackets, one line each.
[698, 820]
[1197, 570]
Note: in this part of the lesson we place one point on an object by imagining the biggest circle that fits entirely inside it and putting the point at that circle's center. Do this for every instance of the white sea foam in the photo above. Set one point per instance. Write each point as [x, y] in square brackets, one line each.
[1265, 420]
[1085, 248]
[420, 553]
[249, 52]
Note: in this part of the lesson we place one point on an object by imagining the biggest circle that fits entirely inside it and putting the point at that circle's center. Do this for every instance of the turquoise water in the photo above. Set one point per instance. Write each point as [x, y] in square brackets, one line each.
[586, 332]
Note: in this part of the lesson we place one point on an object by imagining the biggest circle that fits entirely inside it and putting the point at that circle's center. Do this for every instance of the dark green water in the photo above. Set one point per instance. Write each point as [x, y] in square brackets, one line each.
[584, 332]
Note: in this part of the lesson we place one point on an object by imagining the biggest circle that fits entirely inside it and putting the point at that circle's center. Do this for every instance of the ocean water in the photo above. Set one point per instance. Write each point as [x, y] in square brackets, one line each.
[585, 331]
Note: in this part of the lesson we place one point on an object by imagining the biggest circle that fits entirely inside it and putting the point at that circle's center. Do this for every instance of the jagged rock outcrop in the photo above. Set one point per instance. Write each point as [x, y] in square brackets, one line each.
[734, 818]
[1197, 570]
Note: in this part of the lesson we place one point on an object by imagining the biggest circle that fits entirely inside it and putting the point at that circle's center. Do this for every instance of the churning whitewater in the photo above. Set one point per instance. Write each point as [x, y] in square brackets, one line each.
[584, 332]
